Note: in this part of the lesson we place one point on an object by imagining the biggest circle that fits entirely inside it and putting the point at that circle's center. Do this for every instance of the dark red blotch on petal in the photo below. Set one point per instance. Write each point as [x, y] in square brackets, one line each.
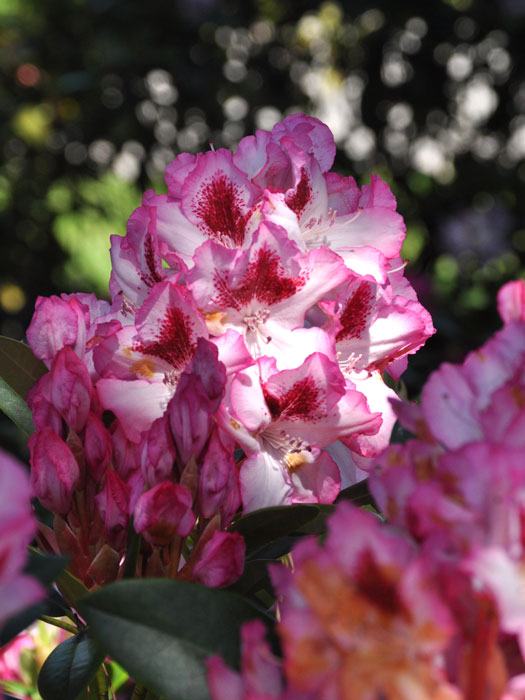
[175, 343]
[264, 280]
[299, 198]
[377, 585]
[356, 312]
[152, 276]
[300, 401]
[220, 206]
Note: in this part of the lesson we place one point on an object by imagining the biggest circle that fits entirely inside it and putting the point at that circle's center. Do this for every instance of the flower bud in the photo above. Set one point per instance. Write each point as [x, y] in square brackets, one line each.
[44, 413]
[97, 447]
[198, 396]
[113, 506]
[54, 471]
[219, 490]
[163, 512]
[56, 323]
[157, 453]
[71, 388]
[221, 560]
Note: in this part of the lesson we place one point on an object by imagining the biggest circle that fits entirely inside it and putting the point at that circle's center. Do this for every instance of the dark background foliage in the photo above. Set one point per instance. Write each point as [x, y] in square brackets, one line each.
[96, 96]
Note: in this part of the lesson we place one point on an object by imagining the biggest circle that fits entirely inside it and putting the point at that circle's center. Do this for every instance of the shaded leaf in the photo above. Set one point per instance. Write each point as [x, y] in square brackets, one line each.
[359, 494]
[162, 631]
[268, 524]
[19, 370]
[254, 578]
[18, 366]
[15, 408]
[69, 668]
[71, 587]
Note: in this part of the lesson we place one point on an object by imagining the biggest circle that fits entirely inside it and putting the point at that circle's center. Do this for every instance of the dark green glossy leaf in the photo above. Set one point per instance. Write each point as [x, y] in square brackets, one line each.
[162, 631]
[268, 524]
[19, 370]
[254, 578]
[18, 366]
[45, 567]
[15, 408]
[359, 494]
[71, 587]
[69, 668]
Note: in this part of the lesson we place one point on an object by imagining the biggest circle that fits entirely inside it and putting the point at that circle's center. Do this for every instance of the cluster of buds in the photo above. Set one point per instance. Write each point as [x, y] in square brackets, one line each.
[238, 364]
[429, 605]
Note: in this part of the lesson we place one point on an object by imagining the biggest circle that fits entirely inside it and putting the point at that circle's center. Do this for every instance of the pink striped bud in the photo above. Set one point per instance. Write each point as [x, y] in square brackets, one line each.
[219, 490]
[71, 388]
[54, 471]
[44, 413]
[199, 393]
[113, 506]
[97, 447]
[157, 454]
[221, 560]
[163, 512]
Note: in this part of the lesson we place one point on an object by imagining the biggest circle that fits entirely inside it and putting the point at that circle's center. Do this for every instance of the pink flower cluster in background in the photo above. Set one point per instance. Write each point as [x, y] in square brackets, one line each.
[238, 363]
[17, 527]
[431, 604]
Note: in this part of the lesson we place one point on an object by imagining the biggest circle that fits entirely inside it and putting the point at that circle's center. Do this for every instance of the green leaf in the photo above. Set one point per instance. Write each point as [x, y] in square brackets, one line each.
[69, 668]
[359, 494]
[44, 567]
[71, 587]
[268, 524]
[15, 408]
[162, 631]
[254, 578]
[19, 370]
[18, 366]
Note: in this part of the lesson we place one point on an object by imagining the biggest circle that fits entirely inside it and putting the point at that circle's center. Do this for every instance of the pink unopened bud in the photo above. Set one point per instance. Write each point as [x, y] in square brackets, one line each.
[113, 506]
[56, 323]
[157, 453]
[97, 447]
[71, 388]
[163, 512]
[54, 471]
[44, 413]
[198, 396]
[219, 490]
[221, 560]
[126, 457]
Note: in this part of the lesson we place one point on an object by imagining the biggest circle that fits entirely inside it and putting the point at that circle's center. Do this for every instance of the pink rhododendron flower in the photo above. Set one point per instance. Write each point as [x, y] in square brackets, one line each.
[253, 309]
[511, 301]
[263, 293]
[17, 529]
[283, 420]
[360, 618]
[261, 674]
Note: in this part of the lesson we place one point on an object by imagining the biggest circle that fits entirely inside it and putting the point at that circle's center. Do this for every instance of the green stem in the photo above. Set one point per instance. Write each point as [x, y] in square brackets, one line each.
[57, 622]
[102, 684]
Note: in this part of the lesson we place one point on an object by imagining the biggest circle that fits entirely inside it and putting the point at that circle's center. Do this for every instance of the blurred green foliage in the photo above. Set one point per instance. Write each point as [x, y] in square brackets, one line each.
[96, 96]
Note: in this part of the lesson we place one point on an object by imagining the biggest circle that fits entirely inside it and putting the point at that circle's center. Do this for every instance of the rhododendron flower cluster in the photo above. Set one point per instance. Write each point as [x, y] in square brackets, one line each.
[430, 604]
[17, 529]
[237, 365]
